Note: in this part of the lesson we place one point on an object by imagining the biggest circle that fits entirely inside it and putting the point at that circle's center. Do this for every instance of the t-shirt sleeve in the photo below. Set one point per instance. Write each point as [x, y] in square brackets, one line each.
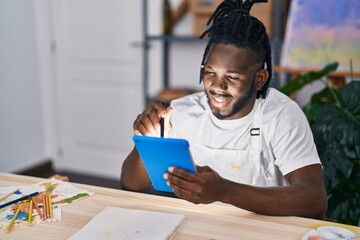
[293, 142]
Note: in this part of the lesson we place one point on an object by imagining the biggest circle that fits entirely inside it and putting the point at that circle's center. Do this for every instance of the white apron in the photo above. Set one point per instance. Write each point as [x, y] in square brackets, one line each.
[238, 165]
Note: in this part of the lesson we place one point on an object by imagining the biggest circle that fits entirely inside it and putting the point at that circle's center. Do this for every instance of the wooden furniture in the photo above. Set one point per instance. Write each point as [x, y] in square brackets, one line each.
[212, 221]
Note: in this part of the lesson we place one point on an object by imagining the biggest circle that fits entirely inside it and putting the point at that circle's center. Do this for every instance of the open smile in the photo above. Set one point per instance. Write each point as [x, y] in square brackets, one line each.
[219, 99]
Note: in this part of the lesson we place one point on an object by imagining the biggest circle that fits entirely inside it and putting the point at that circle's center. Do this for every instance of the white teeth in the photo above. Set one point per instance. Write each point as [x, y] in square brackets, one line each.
[220, 99]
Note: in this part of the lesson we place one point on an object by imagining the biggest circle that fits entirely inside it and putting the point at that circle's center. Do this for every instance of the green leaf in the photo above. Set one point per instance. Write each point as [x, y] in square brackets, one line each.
[304, 79]
[317, 100]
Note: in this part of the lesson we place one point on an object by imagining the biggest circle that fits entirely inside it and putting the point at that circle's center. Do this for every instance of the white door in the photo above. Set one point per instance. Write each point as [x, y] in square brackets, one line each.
[98, 75]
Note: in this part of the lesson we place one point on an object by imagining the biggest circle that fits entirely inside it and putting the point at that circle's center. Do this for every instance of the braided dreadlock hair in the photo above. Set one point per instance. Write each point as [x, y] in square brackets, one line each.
[232, 24]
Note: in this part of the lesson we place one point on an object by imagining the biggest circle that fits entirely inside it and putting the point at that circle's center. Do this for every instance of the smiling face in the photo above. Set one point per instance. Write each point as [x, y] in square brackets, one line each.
[231, 80]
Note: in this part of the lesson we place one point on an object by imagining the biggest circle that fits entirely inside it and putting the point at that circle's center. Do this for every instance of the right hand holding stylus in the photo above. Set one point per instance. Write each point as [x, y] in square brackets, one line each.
[148, 122]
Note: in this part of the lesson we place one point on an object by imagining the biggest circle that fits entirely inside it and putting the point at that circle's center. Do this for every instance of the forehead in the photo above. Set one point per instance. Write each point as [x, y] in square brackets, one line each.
[229, 56]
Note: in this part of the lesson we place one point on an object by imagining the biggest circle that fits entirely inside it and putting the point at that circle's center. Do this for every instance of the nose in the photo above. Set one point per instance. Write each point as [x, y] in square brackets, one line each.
[218, 83]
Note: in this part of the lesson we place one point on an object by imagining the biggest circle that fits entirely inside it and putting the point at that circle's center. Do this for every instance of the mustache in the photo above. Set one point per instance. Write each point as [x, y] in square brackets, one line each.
[215, 94]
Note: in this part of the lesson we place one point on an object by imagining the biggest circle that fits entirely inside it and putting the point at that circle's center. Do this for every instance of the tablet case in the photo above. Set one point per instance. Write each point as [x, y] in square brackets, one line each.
[158, 154]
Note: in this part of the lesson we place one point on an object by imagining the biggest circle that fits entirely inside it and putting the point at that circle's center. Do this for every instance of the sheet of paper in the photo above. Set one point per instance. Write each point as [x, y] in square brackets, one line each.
[6, 192]
[62, 193]
[121, 223]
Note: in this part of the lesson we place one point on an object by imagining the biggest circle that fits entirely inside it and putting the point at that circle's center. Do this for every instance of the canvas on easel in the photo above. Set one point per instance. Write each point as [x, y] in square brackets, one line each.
[320, 32]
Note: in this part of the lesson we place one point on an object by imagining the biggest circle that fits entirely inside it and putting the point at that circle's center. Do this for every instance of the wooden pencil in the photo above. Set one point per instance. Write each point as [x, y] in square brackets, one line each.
[38, 209]
[30, 212]
[9, 227]
[45, 208]
[47, 205]
[50, 205]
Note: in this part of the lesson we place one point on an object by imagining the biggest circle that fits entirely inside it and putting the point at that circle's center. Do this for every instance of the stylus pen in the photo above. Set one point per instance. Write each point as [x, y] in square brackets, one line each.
[162, 123]
[18, 200]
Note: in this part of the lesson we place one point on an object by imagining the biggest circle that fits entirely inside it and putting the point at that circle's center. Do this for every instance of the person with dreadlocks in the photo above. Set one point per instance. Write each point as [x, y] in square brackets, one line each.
[252, 145]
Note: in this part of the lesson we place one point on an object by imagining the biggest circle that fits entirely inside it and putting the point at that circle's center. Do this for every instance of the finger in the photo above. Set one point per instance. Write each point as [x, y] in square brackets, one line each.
[138, 129]
[145, 125]
[158, 106]
[183, 193]
[181, 173]
[176, 182]
[143, 131]
[166, 114]
[155, 118]
[150, 121]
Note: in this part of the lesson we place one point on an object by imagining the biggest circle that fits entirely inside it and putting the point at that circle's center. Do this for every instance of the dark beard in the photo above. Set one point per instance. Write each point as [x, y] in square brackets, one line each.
[239, 105]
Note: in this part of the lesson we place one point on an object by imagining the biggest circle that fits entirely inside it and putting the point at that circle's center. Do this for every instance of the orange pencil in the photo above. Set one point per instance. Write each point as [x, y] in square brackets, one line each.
[30, 212]
[38, 209]
[9, 227]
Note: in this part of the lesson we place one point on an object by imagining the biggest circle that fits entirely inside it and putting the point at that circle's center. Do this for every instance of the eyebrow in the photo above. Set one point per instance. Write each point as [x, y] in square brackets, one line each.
[227, 71]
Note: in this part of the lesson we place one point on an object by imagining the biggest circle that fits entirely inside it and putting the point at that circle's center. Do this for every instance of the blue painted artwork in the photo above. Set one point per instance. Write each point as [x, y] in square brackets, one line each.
[322, 31]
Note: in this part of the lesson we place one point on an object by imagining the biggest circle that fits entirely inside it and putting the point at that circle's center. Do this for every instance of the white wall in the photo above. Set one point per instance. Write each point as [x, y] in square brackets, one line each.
[27, 116]
[21, 114]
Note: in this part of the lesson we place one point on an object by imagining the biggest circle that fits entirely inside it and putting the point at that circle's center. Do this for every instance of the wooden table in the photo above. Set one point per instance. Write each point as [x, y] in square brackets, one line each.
[212, 221]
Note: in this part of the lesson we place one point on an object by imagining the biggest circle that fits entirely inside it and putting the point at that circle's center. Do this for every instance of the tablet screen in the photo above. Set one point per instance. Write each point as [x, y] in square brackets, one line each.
[158, 154]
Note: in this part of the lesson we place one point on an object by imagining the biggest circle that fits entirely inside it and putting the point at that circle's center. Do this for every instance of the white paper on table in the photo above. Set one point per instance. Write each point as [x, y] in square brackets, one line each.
[5, 192]
[121, 223]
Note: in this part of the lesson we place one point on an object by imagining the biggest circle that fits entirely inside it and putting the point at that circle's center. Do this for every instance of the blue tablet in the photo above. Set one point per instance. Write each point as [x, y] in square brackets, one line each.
[158, 154]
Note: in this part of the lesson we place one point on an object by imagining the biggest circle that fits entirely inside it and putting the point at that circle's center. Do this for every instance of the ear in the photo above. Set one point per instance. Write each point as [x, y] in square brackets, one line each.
[261, 78]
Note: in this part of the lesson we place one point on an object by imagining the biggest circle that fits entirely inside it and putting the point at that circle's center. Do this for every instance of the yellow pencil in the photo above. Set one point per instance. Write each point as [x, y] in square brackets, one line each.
[30, 212]
[50, 205]
[8, 229]
[45, 209]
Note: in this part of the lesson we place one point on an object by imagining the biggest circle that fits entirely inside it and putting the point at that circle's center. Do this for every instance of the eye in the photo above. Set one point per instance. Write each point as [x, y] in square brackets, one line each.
[209, 73]
[232, 78]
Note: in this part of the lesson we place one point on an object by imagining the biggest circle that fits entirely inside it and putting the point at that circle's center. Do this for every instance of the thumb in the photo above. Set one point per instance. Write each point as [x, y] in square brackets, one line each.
[166, 114]
[203, 169]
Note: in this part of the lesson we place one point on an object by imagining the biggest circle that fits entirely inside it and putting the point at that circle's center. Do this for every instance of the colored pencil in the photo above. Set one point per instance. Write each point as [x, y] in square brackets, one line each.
[45, 209]
[50, 205]
[38, 209]
[30, 212]
[9, 227]
[18, 200]
[8, 195]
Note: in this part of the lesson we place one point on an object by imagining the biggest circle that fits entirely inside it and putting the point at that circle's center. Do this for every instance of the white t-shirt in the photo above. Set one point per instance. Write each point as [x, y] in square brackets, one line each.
[285, 136]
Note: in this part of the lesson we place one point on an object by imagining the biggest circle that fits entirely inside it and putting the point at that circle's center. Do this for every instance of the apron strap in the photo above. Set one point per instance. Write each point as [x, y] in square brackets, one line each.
[255, 130]
[255, 133]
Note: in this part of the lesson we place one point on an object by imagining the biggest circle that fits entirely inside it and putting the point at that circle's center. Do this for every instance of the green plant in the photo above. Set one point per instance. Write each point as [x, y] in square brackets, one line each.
[334, 117]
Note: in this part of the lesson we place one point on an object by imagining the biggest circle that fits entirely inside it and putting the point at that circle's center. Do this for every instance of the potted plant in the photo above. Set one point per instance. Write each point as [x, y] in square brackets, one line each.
[334, 117]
